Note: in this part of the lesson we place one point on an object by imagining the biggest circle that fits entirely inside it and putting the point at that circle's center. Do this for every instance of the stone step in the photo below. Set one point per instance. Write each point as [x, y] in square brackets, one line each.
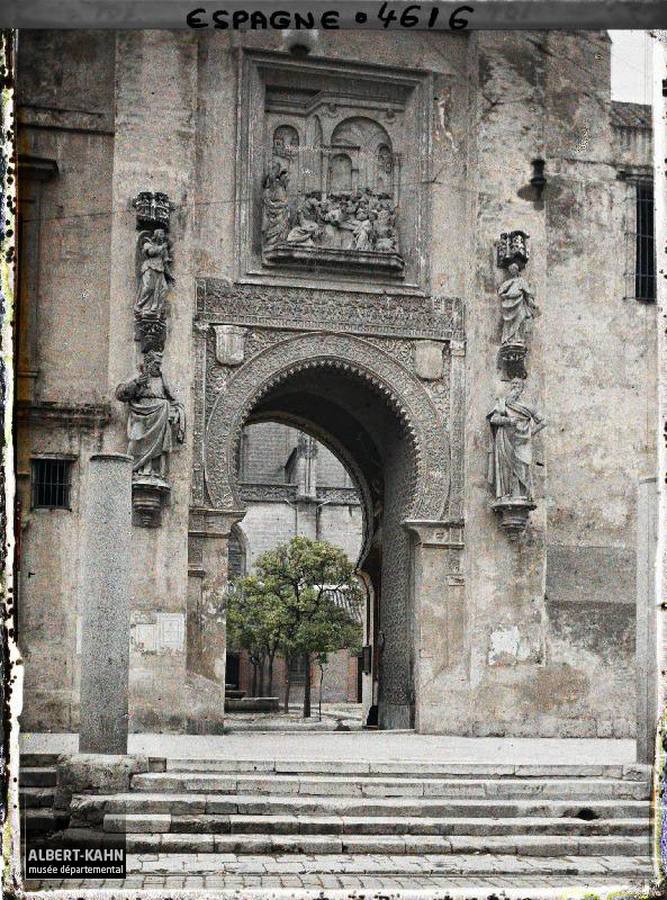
[88, 809]
[31, 760]
[411, 769]
[395, 845]
[596, 870]
[140, 823]
[31, 797]
[38, 777]
[42, 821]
[346, 786]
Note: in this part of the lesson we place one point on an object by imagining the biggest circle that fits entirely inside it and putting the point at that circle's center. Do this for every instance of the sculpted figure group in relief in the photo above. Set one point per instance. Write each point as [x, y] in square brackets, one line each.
[362, 220]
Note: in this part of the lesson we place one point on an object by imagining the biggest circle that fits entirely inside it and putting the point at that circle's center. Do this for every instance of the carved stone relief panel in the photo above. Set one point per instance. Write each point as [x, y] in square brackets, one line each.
[337, 155]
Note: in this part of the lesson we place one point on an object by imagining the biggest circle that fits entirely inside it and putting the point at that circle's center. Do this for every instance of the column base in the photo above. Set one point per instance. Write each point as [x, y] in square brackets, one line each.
[395, 716]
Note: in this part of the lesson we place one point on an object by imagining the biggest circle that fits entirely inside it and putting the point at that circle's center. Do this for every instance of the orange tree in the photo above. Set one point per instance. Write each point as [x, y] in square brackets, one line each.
[291, 605]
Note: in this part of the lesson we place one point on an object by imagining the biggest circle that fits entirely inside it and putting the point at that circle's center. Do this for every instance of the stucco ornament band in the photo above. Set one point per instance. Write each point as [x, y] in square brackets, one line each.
[356, 357]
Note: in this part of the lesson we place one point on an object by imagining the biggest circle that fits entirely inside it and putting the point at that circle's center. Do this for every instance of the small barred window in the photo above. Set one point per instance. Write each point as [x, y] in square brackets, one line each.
[51, 483]
[644, 243]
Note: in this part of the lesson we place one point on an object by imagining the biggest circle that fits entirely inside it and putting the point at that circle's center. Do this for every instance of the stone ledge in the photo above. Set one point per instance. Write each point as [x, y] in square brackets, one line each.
[331, 258]
[81, 415]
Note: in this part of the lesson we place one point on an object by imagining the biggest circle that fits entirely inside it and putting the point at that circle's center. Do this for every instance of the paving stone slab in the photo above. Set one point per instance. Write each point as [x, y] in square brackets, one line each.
[396, 863]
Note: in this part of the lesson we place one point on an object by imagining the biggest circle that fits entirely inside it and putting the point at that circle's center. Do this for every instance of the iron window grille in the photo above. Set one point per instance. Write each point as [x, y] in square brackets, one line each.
[645, 243]
[640, 273]
[51, 483]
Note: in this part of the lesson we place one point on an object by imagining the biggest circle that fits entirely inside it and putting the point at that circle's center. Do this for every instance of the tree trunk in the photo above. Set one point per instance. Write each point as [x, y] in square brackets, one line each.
[306, 689]
[319, 705]
[254, 679]
[287, 685]
[261, 677]
[271, 656]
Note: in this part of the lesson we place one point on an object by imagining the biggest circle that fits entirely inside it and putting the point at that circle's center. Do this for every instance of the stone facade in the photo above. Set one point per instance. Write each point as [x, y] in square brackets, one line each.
[335, 245]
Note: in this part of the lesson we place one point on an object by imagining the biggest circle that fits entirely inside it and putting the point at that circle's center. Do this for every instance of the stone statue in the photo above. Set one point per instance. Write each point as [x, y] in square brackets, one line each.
[362, 229]
[154, 420]
[307, 228]
[154, 274]
[518, 307]
[275, 213]
[513, 426]
[385, 228]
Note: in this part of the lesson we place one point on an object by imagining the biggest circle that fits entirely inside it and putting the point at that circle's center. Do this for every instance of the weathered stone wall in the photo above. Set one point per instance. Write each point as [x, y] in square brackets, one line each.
[65, 151]
[544, 635]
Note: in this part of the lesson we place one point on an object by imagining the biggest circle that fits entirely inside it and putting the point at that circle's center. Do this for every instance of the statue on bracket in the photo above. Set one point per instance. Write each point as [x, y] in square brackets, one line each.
[513, 425]
[153, 267]
[156, 419]
[517, 303]
[154, 413]
[154, 278]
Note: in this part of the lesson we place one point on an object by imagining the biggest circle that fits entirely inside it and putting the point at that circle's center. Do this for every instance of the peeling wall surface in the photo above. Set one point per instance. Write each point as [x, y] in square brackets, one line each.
[531, 636]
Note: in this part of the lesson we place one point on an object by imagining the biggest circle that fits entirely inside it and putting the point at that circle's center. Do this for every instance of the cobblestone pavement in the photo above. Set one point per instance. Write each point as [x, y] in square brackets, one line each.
[305, 887]
[377, 873]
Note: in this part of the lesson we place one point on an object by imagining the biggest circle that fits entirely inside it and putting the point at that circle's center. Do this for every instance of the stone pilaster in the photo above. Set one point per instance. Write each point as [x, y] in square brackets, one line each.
[208, 540]
[646, 642]
[440, 621]
[154, 150]
[504, 581]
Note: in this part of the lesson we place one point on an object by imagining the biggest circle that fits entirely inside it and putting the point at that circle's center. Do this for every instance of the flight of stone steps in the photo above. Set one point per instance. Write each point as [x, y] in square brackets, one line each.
[565, 819]
[37, 785]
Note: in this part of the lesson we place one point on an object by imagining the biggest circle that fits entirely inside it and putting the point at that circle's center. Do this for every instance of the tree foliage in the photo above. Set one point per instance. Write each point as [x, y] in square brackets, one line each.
[291, 605]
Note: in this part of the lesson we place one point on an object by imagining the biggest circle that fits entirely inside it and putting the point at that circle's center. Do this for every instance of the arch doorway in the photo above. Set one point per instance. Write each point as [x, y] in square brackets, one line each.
[379, 421]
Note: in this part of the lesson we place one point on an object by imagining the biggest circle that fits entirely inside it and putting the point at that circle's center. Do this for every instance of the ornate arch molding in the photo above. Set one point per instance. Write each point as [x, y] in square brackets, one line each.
[401, 390]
